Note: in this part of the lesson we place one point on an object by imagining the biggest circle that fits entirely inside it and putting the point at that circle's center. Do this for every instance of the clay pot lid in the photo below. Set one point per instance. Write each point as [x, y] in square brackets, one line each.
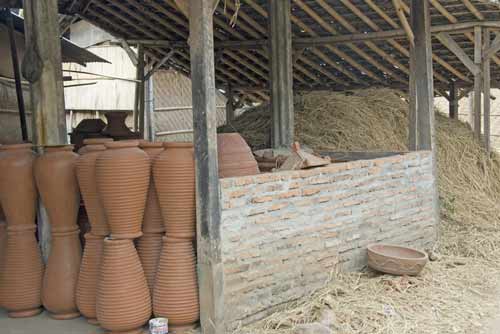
[178, 145]
[150, 144]
[96, 141]
[397, 252]
[121, 144]
[12, 147]
[58, 148]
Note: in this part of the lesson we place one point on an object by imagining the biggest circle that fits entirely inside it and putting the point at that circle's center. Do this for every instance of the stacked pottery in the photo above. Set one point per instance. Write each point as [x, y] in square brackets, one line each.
[22, 272]
[175, 294]
[55, 175]
[86, 290]
[123, 301]
[149, 245]
[235, 156]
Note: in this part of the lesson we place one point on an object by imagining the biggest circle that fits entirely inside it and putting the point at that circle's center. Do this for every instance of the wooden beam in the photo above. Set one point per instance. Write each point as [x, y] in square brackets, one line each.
[159, 64]
[404, 22]
[453, 101]
[141, 100]
[281, 80]
[487, 92]
[412, 101]
[229, 105]
[493, 48]
[208, 210]
[453, 46]
[131, 54]
[138, 76]
[477, 82]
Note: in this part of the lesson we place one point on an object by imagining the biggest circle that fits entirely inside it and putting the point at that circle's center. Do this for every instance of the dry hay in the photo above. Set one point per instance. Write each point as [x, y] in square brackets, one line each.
[454, 294]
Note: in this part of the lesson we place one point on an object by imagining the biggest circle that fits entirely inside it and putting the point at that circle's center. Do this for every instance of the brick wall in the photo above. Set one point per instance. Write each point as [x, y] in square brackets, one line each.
[284, 233]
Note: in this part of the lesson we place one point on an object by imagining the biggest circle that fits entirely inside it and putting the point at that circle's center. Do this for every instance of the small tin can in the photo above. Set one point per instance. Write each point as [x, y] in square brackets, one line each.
[158, 326]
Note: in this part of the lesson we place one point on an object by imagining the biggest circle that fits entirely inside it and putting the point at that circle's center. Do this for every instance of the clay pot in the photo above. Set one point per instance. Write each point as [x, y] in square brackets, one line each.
[116, 126]
[16, 172]
[22, 273]
[55, 177]
[86, 289]
[61, 275]
[123, 301]
[93, 141]
[86, 173]
[152, 222]
[123, 173]
[174, 178]
[3, 249]
[235, 156]
[149, 248]
[176, 289]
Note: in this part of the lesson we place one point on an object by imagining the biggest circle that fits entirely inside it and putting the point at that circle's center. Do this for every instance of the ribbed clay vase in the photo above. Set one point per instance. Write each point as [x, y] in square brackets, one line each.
[235, 156]
[149, 249]
[55, 175]
[123, 173]
[61, 275]
[176, 289]
[16, 166]
[152, 222]
[86, 174]
[174, 178]
[22, 273]
[86, 289]
[123, 301]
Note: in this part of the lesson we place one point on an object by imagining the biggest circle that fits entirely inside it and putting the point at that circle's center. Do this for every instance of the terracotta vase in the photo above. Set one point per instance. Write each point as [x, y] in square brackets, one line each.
[93, 141]
[235, 156]
[86, 289]
[176, 289]
[16, 166]
[123, 173]
[174, 178]
[55, 177]
[152, 222]
[86, 174]
[61, 275]
[3, 249]
[117, 127]
[123, 301]
[149, 248]
[22, 273]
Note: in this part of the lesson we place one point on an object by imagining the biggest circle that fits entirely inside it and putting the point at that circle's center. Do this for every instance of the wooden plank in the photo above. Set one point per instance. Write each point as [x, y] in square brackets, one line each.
[477, 82]
[159, 64]
[338, 156]
[131, 54]
[137, 97]
[453, 46]
[421, 25]
[487, 92]
[412, 100]
[493, 48]
[281, 80]
[141, 101]
[208, 211]
[404, 22]
[453, 101]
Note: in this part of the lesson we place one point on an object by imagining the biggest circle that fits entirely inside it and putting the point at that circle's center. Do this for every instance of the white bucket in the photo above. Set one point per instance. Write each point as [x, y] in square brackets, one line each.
[158, 326]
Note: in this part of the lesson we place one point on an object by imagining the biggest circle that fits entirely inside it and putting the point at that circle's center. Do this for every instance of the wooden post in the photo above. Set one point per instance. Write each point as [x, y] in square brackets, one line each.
[150, 108]
[229, 105]
[487, 92]
[139, 87]
[281, 84]
[208, 211]
[453, 101]
[477, 82]
[412, 99]
[424, 83]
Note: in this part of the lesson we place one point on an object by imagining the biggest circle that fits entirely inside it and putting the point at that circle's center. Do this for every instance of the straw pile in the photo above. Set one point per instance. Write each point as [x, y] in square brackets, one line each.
[455, 294]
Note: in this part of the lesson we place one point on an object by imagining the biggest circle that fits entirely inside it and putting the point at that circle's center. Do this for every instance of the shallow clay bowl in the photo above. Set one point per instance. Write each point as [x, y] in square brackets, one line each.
[396, 260]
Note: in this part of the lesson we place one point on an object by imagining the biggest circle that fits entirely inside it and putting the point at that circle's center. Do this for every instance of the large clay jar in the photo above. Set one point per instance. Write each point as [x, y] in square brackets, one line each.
[176, 289]
[61, 275]
[16, 173]
[86, 173]
[22, 273]
[86, 289]
[174, 179]
[235, 156]
[123, 301]
[149, 248]
[152, 222]
[3, 245]
[92, 142]
[55, 176]
[123, 173]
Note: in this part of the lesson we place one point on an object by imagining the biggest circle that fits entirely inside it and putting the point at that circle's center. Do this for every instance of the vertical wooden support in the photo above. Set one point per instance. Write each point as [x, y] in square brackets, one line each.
[150, 108]
[412, 99]
[477, 82]
[280, 50]
[139, 86]
[229, 105]
[487, 92]
[453, 101]
[424, 83]
[471, 108]
[208, 211]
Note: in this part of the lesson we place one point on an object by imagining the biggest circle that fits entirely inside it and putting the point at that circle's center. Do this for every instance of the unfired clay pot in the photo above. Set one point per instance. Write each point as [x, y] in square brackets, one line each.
[55, 177]
[61, 275]
[123, 301]
[176, 289]
[16, 166]
[86, 289]
[152, 222]
[22, 273]
[149, 248]
[86, 173]
[235, 156]
[123, 173]
[92, 142]
[174, 179]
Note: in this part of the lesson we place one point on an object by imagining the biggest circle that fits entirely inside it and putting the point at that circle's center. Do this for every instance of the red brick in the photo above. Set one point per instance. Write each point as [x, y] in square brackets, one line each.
[277, 206]
[310, 192]
[238, 193]
[262, 199]
[289, 194]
